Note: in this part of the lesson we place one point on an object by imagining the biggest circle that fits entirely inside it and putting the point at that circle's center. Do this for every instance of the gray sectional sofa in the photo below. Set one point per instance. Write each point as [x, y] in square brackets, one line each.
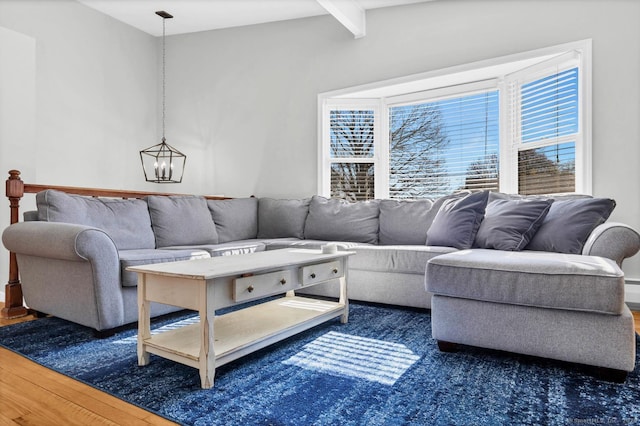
[73, 255]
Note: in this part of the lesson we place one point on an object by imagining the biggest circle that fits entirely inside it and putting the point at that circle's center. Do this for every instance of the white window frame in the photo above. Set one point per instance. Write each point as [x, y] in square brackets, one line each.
[512, 130]
[460, 80]
[325, 140]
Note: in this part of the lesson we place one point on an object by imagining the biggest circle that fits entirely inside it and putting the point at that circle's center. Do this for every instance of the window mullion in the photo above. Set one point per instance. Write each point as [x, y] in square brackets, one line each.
[382, 152]
[509, 108]
[548, 142]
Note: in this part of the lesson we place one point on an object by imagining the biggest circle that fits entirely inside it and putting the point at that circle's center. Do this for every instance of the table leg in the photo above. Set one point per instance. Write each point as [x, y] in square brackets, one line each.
[207, 357]
[344, 297]
[144, 321]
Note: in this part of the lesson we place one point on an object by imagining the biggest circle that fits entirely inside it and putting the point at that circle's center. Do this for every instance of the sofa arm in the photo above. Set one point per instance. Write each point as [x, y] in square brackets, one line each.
[613, 240]
[69, 271]
[58, 240]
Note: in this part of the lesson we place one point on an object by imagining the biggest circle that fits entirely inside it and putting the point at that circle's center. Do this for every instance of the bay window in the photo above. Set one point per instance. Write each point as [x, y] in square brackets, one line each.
[516, 125]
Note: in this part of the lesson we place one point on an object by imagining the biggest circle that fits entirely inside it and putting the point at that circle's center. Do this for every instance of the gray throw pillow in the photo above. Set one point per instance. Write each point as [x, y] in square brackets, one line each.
[181, 220]
[236, 219]
[569, 223]
[280, 218]
[457, 221]
[339, 220]
[437, 203]
[127, 222]
[404, 222]
[510, 224]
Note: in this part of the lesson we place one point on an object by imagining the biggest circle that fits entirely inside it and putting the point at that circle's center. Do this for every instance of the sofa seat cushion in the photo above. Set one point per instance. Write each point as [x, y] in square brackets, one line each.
[541, 279]
[287, 243]
[226, 249]
[149, 256]
[396, 259]
[369, 257]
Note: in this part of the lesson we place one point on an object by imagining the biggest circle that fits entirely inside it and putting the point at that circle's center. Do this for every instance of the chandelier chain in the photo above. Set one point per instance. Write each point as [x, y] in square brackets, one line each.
[163, 77]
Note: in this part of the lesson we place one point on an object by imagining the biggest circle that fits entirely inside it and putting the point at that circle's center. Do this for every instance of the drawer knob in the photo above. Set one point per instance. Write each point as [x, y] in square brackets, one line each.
[283, 281]
[250, 289]
[313, 275]
[335, 270]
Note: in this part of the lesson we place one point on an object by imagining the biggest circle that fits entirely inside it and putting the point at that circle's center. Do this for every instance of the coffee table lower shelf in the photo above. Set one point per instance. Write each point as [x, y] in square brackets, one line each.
[246, 330]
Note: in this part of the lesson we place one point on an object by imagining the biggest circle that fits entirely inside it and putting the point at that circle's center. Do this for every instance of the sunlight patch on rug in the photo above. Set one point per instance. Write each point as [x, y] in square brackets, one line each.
[346, 355]
[315, 305]
[172, 326]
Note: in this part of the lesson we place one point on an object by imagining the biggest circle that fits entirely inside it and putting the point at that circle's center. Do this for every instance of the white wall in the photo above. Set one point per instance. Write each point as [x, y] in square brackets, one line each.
[241, 103]
[78, 99]
[96, 93]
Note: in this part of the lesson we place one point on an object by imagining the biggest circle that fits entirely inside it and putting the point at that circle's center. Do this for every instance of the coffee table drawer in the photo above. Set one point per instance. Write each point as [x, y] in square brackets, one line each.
[313, 274]
[247, 288]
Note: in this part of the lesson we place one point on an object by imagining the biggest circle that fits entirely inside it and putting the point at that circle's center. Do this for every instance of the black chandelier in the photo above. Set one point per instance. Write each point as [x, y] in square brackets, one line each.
[162, 163]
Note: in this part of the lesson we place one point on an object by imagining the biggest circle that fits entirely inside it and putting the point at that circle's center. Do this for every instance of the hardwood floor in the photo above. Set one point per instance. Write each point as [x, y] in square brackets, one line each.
[34, 395]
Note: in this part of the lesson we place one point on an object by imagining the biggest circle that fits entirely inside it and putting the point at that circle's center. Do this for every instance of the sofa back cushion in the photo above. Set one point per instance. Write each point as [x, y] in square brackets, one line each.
[181, 220]
[404, 222]
[281, 218]
[127, 222]
[236, 219]
[338, 220]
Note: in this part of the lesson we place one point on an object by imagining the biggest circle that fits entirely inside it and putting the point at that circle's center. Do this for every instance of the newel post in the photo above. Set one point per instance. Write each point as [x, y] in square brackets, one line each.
[13, 307]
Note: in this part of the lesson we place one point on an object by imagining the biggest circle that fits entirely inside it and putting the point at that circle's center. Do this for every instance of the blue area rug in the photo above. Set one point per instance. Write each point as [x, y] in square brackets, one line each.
[382, 368]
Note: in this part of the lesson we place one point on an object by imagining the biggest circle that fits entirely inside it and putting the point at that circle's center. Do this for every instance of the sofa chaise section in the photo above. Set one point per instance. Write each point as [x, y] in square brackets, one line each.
[567, 307]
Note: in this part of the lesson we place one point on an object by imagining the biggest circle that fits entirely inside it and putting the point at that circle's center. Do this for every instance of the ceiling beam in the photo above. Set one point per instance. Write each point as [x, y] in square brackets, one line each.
[348, 13]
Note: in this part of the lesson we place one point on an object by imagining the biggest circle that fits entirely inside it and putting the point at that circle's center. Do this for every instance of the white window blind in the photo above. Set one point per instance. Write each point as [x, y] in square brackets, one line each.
[550, 106]
[352, 133]
[443, 146]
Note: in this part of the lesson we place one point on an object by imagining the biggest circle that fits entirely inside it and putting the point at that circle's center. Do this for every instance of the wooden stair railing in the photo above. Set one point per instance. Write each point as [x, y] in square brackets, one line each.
[15, 190]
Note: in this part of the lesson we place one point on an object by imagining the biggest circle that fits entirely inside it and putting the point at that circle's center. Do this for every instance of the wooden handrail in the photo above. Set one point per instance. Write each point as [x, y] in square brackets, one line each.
[15, 190]
[97, 192]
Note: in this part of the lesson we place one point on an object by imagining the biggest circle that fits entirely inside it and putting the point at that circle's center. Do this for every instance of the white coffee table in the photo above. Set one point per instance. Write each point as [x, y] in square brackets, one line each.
[204, 285]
